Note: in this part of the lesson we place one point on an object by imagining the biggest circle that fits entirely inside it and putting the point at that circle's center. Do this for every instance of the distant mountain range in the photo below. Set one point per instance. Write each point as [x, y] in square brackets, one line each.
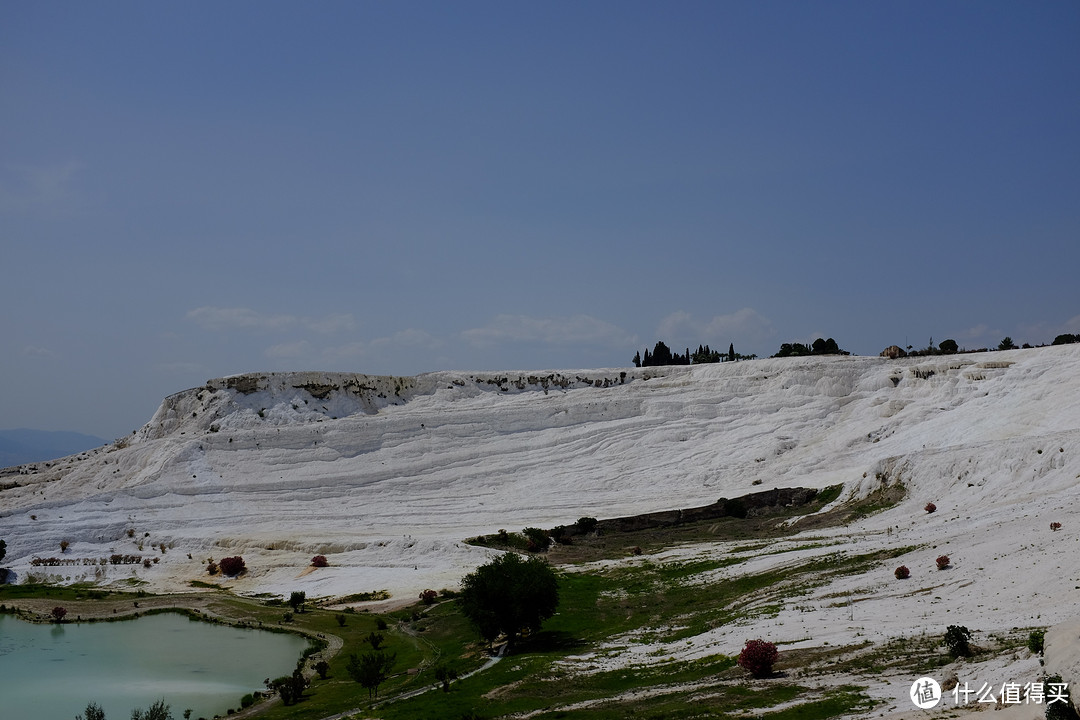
[18, 447]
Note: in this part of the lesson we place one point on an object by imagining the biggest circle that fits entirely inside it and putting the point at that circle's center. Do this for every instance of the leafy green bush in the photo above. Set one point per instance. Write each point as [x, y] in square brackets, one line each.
[1057, 710]
[1035, 641]
[586, 524]
[956, 640]
[538, 539]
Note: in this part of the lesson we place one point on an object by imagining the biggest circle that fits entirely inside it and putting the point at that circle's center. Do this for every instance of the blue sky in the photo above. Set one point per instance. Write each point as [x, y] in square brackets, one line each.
[191, 190]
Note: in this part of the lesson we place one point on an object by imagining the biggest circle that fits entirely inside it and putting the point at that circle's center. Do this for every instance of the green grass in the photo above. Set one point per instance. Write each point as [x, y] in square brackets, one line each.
[74, 592]
[641, 601]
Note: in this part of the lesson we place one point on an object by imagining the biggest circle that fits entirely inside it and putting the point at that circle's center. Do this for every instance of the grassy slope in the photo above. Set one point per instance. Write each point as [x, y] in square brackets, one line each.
[602, 608]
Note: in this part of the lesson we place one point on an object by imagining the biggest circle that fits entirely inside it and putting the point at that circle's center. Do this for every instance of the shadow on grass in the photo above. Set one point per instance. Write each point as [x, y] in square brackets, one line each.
[547, 641]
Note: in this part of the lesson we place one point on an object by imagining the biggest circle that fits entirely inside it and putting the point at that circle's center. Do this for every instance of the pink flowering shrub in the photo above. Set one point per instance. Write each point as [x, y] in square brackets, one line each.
[902, 573]
[232, 566]
[758, 657]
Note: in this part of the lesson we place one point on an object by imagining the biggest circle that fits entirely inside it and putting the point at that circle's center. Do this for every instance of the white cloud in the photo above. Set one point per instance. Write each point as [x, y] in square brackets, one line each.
[742, 327]
[39, 187]
[1045, 332]
[36, 351]
[410, 338]
[575, 330]
[331, 324]
[215, 318]
[289, 350]
[180, 368]
[979, 331]
[238, 318]
[316, 355]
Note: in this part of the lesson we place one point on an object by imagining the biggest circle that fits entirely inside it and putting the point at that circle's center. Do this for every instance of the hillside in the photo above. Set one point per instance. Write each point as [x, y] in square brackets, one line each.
[387, 475]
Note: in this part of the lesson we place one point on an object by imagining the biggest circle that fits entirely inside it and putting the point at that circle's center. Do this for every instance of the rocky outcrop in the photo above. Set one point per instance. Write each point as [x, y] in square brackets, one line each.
[744, 506]
[893, 352]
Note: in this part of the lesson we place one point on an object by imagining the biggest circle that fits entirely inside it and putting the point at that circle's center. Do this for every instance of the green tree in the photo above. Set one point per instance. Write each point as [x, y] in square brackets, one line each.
[509, 595]
[826, 347]
[371, 669]
[1006, 344]
[661, 354]
[445, 675]
[297, 600]
[290, 687]
[949, 347]
[158, 711]
[637, 359]
[731, 352]
[93, 712]
[792, 350]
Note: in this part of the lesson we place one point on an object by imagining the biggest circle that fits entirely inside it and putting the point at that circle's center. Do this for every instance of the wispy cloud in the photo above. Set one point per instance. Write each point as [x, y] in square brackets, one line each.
[582, 330]
[237, 318]
[746, 326]
[331, 324]
[1045, 332]
[180, 368]
[305, 352]
[36, 351]
[39, 187]
[410, 339]
[289, 351]
[972, 333]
